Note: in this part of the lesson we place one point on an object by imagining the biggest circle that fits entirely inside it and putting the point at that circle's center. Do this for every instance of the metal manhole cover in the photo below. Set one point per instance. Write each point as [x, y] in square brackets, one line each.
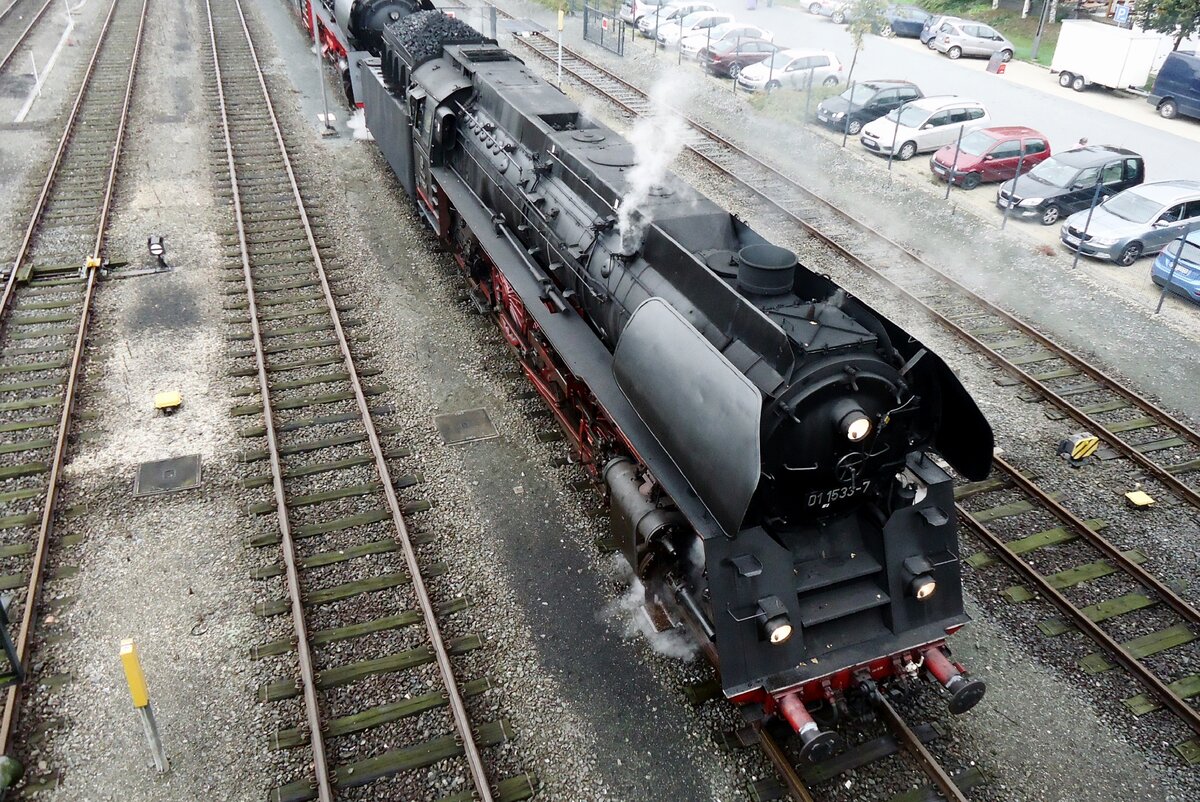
[167, 475]
[465, 427]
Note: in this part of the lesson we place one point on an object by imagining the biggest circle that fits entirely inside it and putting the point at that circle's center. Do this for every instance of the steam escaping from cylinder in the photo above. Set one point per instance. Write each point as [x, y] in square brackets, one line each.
[628, 611]
[358, 124]
[657, 138]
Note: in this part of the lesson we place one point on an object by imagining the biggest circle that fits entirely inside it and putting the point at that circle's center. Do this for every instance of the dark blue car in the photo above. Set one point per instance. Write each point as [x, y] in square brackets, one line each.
[1186, 280]
[905, 21]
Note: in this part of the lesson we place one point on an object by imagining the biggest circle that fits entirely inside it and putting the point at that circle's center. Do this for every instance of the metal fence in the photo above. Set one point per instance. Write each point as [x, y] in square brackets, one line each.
[604, 27]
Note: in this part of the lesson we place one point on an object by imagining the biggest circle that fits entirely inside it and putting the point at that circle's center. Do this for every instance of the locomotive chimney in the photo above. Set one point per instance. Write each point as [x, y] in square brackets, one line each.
[766, 269]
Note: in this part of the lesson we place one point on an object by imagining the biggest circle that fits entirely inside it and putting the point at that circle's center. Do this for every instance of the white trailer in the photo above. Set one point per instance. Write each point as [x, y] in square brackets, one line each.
[1091, 52]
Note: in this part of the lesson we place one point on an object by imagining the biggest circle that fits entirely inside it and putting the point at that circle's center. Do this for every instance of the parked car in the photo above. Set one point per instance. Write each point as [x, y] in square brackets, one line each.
[730, 57]
[731, 31]
[1066, 182]
[794, 69]
[697, 22]
[990, 154]
[633, 10]
[1177, 86]
[1182, 274]
[659, 17]
[1141, 220]
[825, 8]
[960, 37]
[864, 102]
[906, 21]
[930, 27]
[923, 125]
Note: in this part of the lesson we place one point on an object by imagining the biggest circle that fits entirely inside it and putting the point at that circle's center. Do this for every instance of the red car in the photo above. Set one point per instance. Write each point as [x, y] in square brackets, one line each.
[729, 56]
[990, 154]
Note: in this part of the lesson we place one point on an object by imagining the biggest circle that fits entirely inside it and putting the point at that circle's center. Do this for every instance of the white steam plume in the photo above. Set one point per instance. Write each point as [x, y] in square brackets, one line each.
[657, 138]
[358, 124]
[630, 612]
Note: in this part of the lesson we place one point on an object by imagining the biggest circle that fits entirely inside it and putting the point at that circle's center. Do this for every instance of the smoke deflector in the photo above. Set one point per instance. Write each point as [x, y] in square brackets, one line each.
[701, 409]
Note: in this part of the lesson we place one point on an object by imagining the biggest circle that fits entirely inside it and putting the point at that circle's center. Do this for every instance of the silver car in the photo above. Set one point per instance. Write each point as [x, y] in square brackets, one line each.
[961, 37]
[1141, 220]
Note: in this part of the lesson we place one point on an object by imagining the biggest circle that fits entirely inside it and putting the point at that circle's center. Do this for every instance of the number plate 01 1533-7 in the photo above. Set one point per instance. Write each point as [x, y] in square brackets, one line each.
[823, 498]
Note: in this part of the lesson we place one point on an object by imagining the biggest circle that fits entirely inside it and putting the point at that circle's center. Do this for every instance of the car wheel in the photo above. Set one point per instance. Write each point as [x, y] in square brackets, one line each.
[830, 81]
[838, 18]
[1064, 79]
[1006, 56]
[907, 151]
[954, 52]
[1132, 252]
[1168, 109]
[734, 71]
[887, 32]
[773, 85]
[930, 44]
[1078, 84]
[970, 180]
[853, 127]
[815, 8]
[1050, 215]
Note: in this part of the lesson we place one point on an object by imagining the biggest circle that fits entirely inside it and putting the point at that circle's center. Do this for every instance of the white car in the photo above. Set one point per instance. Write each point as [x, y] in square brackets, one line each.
[668, 36]
[659, 17]
[794, 69]
[692, 45]
[923, 125]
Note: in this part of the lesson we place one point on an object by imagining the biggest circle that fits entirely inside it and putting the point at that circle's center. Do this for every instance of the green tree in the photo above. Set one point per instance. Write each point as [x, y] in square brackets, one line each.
[866, 16]
[1178, 18]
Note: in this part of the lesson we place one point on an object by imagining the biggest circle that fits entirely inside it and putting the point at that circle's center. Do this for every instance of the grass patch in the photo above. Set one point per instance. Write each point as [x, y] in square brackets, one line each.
[789, 105]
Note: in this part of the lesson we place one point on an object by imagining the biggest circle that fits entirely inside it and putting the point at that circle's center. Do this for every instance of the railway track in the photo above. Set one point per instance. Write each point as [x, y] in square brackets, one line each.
[381, 698]
[903, 742]
[1165, 448]
[45, 311]
[18, 18]
[1098, 588]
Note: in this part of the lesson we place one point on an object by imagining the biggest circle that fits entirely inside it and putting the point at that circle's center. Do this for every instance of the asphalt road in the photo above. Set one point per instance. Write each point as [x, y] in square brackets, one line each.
[1026, 95]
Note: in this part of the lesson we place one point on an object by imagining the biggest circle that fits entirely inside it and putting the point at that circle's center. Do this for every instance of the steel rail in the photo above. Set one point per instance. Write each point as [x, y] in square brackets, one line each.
[1101, 543]
[1155, 685]
[1160, 473]
[929, 763]
[308, 681]
[441, 653]
[44, 196]
[791, 778]
[46, 527]
[25, 33]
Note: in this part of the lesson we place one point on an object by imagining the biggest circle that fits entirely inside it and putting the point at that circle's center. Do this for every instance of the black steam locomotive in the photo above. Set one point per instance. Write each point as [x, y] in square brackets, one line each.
[765, 439]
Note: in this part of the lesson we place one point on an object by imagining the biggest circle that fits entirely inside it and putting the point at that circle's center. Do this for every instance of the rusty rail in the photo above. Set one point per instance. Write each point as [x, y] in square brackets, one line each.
[912, 743]
[46, 527]
[12, 51]
[428, 611]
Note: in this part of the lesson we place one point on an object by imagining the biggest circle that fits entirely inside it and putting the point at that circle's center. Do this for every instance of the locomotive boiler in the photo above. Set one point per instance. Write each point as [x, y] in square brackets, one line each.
[774, 453]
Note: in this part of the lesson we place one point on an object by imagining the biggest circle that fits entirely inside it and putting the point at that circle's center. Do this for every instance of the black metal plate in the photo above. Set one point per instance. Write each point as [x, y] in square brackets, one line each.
[167, 476]
[465, 427]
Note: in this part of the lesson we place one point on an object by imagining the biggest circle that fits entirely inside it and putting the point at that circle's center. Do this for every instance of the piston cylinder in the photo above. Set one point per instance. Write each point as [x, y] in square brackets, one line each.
[635, 518]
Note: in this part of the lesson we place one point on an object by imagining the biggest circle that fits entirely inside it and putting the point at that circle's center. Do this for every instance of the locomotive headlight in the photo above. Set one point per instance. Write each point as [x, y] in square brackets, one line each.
[857, 426]
[773, 618]
[779, 629]
[923, 587]
[918, 571]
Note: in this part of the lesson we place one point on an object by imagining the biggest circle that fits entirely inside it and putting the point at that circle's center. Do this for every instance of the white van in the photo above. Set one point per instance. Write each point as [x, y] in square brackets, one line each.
[923, 125]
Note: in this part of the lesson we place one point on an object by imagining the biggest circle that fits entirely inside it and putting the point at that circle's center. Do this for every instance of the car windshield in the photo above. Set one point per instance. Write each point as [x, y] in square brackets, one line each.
[1133, 207]
[1191, 250]
[1054, 173]
[692, 19]
[859, 94]
[779, 60]
[976, 143]
[721, 47]
[719, 31]
[909, 116]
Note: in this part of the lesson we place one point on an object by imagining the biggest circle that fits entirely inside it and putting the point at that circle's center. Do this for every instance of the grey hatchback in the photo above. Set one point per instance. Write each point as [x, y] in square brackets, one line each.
[1141, 220]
